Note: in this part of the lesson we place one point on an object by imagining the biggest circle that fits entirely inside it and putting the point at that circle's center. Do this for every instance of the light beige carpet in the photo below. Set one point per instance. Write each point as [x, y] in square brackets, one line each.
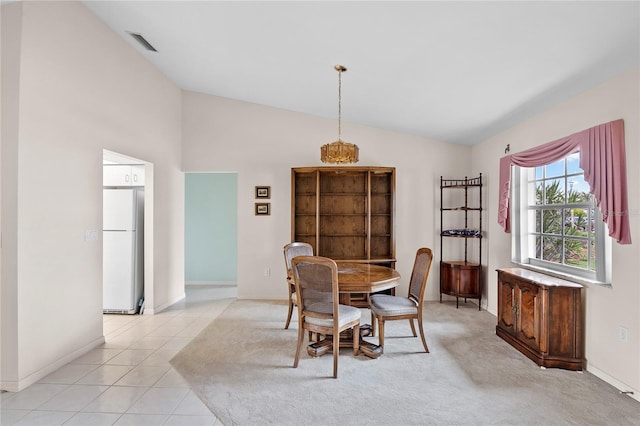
[241, 367]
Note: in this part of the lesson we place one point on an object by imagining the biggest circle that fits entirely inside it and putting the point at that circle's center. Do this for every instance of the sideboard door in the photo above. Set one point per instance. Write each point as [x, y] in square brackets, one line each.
[507, 306]
[529, 315]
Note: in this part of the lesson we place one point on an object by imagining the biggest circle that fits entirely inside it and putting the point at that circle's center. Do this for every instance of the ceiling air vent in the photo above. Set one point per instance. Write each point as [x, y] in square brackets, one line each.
[143, 42]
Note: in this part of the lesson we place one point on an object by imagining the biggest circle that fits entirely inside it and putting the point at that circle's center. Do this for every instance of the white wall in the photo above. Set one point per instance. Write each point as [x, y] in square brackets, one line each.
[262, 144]
[11, 25]
[606, 308]
[82, 89]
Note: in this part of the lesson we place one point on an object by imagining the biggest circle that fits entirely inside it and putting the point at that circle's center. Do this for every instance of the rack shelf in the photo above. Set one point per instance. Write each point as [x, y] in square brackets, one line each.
[461, 278]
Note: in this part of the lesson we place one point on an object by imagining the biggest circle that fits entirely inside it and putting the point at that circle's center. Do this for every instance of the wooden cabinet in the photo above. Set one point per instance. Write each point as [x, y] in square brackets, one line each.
[461, 278]
[345, 213]
[541, 316]
[122, 175]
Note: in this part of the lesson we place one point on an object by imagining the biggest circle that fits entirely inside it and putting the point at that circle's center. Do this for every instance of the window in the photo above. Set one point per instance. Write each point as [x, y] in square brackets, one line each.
[557, 224]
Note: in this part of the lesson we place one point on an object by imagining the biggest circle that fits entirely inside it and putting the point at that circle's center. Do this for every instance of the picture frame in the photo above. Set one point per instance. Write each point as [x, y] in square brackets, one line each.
[263, 209]
[263, 192]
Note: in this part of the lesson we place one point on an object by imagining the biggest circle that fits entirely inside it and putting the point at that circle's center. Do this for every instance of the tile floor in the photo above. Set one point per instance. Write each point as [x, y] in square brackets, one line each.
[128, 380]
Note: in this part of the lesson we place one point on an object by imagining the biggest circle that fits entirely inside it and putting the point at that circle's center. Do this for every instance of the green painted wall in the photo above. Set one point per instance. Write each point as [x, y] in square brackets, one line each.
[211, 227]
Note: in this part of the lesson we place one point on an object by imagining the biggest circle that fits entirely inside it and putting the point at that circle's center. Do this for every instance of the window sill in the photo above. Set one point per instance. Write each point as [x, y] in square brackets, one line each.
[579, 280]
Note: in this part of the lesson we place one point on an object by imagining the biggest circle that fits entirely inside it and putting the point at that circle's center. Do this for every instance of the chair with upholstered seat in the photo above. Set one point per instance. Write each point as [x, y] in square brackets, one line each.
[386, 307]
[292, 250]
[319, 310]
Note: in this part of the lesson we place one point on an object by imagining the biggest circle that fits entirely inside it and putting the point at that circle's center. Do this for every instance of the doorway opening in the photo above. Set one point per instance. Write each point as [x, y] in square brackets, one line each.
[211, 229]
[127, 234]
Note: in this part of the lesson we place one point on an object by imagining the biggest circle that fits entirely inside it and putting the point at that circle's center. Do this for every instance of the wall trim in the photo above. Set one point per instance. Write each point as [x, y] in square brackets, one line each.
[614, 382]
[222, 283]
[153, 311]
[20, 384]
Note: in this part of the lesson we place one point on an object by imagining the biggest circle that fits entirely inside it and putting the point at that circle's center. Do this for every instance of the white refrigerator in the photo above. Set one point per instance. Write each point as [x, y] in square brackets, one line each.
[123, 250]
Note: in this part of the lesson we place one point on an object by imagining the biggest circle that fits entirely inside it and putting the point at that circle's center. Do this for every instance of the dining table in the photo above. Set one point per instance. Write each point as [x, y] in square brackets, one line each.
[358, 278]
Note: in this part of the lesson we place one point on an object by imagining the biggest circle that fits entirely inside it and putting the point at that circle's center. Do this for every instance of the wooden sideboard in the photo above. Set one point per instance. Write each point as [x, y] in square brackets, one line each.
[541, 316]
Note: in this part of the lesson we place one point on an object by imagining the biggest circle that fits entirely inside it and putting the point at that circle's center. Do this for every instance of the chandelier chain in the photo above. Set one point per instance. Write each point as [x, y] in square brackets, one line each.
[340, 104]
[339, 152]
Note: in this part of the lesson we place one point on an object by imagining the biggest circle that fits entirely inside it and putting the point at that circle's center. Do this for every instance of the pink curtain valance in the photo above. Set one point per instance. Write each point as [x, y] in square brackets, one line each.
[602, 158]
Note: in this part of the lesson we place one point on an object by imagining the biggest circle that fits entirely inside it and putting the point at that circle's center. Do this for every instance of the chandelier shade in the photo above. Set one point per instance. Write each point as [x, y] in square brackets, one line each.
[339, 152]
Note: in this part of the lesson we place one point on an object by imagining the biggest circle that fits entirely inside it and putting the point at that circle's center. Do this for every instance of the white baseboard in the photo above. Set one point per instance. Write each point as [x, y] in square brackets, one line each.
[20, 384]
[221, 283]
[633, 393]
[153, 311]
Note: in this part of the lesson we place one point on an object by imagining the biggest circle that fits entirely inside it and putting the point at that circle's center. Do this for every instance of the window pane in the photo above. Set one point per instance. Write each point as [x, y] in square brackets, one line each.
[539, 172]
[572, 193]
[535, 188]
[592, 256]
[569, 222]
[581, 220]
[552, 221]
[554, 169]
[552, 249]
[573, 163]
[578, 189]
[538, 222]
[576, 222]
[554, 191]
[575, 253]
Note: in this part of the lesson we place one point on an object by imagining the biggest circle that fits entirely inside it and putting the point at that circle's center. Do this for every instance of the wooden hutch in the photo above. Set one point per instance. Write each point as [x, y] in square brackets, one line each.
[345, 213]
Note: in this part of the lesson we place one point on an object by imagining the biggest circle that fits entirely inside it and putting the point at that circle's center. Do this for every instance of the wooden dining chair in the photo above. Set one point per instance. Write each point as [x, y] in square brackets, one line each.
[319, 310]
[386, 307]
[292, 250]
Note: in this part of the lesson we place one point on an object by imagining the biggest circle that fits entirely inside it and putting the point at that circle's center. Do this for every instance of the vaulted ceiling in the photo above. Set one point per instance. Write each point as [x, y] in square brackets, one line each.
[453, 71]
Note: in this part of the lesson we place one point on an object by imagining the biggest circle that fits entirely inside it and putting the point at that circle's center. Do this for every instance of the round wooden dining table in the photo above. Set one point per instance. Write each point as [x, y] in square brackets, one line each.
[355, 277]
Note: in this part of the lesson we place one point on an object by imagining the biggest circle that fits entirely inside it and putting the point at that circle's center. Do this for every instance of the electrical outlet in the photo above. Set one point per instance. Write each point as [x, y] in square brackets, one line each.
[267, 272]
[91, 235]
[623, 334]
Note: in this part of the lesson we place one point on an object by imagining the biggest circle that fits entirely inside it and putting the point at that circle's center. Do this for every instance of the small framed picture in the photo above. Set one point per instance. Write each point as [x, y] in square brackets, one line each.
[263, 209]
[263, 192]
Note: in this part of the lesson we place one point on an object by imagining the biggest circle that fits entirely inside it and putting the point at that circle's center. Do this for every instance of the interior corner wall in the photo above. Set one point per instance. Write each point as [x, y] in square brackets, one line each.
[606, 309]
[262, 144]
[82, 89]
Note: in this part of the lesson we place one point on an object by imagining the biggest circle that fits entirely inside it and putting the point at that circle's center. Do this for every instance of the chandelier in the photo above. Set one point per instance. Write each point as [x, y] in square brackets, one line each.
[339, 152]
